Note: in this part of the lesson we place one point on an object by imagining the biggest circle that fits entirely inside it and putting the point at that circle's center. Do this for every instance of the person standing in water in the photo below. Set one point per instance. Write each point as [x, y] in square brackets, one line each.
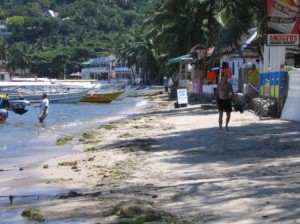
[224, 96]
[44, 107]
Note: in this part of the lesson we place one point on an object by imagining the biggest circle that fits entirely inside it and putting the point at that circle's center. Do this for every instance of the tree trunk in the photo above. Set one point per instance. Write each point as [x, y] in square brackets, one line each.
[133, 76]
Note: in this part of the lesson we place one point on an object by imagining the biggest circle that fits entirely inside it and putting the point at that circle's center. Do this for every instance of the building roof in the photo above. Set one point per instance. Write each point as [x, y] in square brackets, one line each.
[86, 63]
[186, 57]
[51, 13]
[246, 40]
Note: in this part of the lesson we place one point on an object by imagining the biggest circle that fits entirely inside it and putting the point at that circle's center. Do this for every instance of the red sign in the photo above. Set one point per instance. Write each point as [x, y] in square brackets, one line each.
[283, 22]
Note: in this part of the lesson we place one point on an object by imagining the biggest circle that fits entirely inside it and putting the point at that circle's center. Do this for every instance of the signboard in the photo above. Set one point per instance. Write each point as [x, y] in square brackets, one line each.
[182, 96]
[253, 77]
[283, 22]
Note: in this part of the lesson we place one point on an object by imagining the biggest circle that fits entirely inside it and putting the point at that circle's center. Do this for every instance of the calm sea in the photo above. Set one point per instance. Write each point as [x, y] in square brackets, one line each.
[24, 141]
[19, 132]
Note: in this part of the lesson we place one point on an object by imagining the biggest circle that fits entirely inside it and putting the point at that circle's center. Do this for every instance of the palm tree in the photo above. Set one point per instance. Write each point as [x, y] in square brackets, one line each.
[142, 51]
[129, 51]
[5, 55]
[236, 17]
[20, 52]
[178, 25]
[41, 44]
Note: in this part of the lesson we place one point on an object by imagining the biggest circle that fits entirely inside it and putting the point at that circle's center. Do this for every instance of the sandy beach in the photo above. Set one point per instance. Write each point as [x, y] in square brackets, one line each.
[172, 165]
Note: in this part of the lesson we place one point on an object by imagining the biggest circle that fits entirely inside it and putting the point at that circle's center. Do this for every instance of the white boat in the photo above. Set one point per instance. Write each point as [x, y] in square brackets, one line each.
[77, 83]
[68, 96]
[33, 91]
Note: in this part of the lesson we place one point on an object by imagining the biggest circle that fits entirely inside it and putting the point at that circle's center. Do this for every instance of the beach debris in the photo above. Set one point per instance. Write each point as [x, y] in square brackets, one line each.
[3, 170]
[21, 168]
[72, 163]
[74, 194]
[133, 208]
[108, 127]
[137, 144]
[70, 194]
[89, 134]
[137, 118]
[90, 149]
[64, 140]
[163, 105]
[264, 107]
[91, 159]
[93, 194]
[140, 211]
[125, 135]
[33, 214]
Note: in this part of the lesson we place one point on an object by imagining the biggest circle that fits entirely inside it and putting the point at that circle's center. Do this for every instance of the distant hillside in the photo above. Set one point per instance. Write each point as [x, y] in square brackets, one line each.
[61, 34]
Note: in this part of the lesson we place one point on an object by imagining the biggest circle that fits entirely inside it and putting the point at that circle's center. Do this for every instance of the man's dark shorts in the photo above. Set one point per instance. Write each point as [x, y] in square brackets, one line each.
[224, 105]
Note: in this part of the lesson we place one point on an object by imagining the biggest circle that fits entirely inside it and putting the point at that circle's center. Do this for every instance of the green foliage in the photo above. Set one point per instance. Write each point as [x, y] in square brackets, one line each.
[287, 68]
[146, 33]
[15, 23]
[82, 28]
[2, 14]
[34, 10]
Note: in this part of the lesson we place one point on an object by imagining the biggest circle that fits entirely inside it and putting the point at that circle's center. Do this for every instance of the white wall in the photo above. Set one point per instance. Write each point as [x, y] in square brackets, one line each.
[235, 65]
[291, 109]
[273, 58]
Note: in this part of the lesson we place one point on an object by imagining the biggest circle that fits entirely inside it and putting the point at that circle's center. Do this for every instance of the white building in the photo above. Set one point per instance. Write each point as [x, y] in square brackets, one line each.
[3, 30]
[106, 68]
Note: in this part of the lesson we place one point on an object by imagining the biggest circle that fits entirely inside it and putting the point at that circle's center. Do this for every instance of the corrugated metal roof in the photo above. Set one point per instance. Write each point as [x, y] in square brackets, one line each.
[186, 57]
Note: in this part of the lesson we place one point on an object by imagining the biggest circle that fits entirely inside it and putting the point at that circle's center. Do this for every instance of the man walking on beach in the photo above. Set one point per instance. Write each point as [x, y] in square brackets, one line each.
[44, 106]
[224, 96]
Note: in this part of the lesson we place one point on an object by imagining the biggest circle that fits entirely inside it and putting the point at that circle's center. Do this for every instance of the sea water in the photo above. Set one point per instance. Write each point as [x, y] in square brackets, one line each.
[25, 142]
[22, 136]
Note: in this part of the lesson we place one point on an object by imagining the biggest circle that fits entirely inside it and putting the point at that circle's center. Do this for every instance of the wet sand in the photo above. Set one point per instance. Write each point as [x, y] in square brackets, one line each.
[175, 163]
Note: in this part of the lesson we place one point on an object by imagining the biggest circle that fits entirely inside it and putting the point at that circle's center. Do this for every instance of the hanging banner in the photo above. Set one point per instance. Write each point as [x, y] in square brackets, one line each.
[283, 22]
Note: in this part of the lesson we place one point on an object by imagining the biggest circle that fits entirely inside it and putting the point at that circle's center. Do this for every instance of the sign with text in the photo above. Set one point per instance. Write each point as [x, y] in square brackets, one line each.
[283, 22]
[182, 96]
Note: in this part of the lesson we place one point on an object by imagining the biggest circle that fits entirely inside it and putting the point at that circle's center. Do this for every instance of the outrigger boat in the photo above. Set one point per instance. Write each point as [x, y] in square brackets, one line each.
[101, 97]
[33, 91]
[18, 106]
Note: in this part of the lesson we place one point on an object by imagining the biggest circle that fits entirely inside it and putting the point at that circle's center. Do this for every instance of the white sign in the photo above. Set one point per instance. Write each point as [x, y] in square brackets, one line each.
[283, 39]
[182, 96]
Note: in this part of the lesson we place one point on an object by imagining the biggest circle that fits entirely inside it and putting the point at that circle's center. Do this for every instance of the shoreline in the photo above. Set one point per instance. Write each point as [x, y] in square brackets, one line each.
[176, 166]
[25, 178]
